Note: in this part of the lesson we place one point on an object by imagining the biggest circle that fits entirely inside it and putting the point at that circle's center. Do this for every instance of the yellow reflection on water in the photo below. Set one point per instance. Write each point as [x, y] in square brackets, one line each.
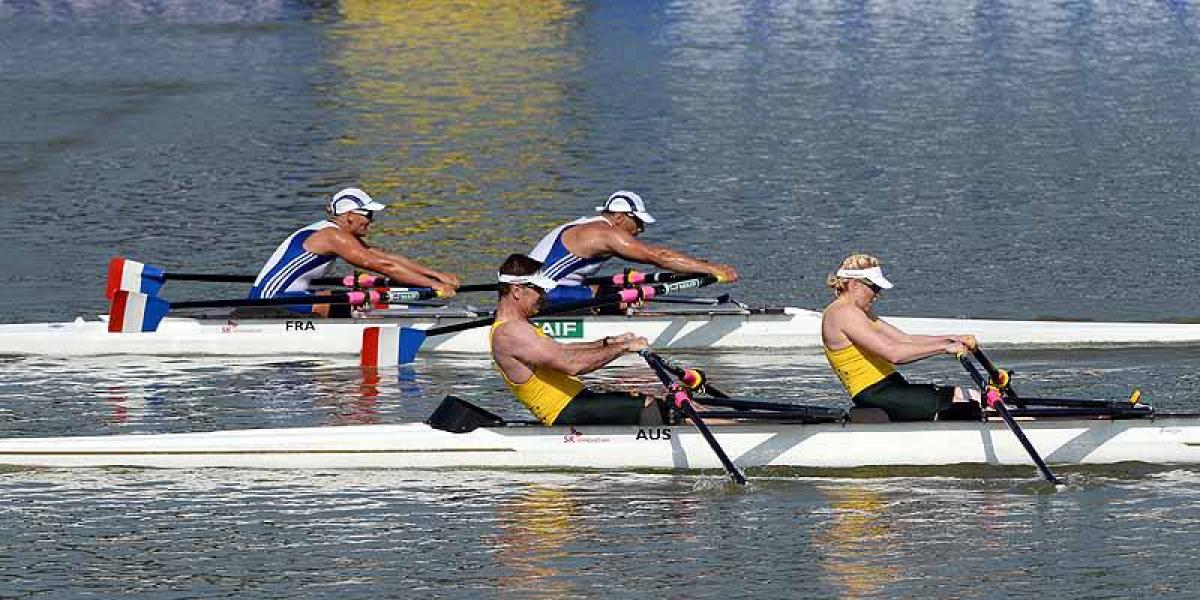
[850, 548]
[459, 109]
[534, 529]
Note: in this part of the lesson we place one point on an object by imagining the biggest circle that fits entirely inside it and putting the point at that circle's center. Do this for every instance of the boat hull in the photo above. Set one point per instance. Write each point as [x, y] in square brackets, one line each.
[1161, 440]
[683, 330]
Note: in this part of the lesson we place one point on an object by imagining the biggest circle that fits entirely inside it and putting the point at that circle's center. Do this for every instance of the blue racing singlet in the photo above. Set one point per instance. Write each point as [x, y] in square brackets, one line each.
[291, 267]
[560, 264]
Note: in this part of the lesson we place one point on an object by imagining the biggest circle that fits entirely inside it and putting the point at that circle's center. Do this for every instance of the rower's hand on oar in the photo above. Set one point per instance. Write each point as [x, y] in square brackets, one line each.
[726, 273]
[444, 290]
[633, 343]
[955, 348]
[968, 341]
[449, 279]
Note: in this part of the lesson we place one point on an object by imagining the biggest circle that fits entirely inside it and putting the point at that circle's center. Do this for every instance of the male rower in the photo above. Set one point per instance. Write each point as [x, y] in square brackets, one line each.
[309, 253]
[576, 250]
[864, 349]
[541, 371]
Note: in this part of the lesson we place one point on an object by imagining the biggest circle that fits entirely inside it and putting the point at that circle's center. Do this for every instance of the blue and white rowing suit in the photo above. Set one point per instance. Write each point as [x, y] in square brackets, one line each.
[566, 268]
[291, 268]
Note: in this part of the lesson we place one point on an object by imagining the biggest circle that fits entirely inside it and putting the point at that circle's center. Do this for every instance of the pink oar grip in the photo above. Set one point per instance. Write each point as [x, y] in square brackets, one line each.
[360, 298]
[681, 397]
[628, 278]
[992, 398]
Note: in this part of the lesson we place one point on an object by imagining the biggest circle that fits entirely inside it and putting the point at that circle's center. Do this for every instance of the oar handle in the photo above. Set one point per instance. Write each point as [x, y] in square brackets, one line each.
[1000, 377]
[351, 298]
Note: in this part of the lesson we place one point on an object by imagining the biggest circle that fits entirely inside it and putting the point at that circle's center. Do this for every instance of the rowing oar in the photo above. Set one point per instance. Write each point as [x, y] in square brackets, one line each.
[694, 379]
[133, 276]
[682, 398]
[131, 312]
[379, 352]
[993, 399]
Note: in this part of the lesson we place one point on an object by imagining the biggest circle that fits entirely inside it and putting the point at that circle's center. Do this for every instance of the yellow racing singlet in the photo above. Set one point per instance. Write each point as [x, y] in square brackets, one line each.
[856, 369]
[547, 392]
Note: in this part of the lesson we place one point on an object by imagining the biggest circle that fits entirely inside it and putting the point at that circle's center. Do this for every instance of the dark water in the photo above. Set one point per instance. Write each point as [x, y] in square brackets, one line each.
[1005, 159]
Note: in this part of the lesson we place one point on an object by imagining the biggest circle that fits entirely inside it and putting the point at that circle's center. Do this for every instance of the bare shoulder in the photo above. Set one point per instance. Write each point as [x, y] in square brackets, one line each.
[332, 240]
[836, 311]
[592, 239]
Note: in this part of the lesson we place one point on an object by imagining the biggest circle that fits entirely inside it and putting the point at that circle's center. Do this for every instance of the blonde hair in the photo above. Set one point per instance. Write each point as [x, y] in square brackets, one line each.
[854, 261]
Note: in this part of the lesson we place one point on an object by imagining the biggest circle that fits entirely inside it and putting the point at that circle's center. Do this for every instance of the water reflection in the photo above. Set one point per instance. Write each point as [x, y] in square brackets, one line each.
[534, 528]
[855, 548]
[461, 110]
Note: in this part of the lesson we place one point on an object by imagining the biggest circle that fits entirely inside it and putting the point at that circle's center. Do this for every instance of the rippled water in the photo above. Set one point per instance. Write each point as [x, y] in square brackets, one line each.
[1015, 159]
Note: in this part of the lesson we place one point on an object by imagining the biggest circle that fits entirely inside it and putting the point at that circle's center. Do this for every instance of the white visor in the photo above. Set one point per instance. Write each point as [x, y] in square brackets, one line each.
[874, 275]
[539, 279]
[353, 199]
[627, 202]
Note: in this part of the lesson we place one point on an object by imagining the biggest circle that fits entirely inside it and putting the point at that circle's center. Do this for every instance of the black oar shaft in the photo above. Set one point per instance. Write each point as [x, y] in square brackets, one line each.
[1008, 419]
[209, 277]
[1001, 380]
[330, 299]
[678, 370]
[660, 370]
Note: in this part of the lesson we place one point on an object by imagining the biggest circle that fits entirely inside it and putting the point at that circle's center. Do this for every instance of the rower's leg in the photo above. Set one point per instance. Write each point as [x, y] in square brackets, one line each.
[966, 395]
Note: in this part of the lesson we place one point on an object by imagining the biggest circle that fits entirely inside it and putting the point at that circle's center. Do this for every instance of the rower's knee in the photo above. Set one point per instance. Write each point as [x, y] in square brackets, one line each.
[963, 395]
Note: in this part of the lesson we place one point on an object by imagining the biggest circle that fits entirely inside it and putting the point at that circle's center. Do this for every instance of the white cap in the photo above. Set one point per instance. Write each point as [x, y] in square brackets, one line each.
[539, 279]
[627, 202]
[874, 275]
[352, 199]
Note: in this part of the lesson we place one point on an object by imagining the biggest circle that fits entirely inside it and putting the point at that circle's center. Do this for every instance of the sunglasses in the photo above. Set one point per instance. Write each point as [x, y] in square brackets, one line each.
[638, 223]
[370, 215]
[870, 284]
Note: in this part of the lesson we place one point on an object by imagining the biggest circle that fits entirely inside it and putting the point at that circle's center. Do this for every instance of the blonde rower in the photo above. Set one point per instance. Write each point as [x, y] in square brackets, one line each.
[863, 350]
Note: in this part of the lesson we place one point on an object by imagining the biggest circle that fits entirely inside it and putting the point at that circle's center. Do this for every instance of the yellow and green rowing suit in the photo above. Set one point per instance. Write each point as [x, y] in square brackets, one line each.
[556, 398]
[547, 393]
[872, 381]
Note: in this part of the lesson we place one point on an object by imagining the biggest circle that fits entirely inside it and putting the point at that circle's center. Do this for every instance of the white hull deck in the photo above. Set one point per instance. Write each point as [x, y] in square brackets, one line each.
[684, 329]
[1172, 439]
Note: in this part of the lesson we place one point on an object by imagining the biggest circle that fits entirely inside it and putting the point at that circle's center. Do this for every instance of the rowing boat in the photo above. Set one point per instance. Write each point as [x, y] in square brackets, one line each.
[1160, 439]
[726, 326]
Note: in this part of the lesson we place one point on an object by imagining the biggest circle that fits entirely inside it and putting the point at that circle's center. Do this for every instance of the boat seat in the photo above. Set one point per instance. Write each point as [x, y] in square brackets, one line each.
[863, 414]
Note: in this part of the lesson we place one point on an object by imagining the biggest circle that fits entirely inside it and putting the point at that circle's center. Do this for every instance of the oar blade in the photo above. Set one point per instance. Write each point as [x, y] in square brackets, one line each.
[133, 276]
[135, 312]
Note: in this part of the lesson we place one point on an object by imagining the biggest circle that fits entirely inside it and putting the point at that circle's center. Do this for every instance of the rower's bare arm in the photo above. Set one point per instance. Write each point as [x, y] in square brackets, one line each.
[353, 251]
[899, 336]
[620, 243]
[968, 341]
[572, 359]
[865, 334]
